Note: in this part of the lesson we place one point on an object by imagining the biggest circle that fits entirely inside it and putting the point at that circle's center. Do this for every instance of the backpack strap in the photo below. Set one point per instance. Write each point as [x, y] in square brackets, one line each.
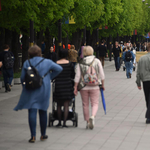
[81, 73]
[36, 64]
[46, 73]
[92, 62]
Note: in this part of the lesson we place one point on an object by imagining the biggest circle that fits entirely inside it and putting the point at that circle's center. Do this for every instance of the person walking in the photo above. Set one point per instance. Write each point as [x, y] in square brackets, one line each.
[128, 58]
[43, 47]
[7, 63]
[72, 55]
[116, 52]
[52, 55]
[37, 99]
[64, 87]
[143, 75]
[102, 50]
[87, 91]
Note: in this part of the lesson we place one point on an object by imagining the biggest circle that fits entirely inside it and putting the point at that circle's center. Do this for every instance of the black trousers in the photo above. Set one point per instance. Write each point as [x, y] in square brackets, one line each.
[146, 88]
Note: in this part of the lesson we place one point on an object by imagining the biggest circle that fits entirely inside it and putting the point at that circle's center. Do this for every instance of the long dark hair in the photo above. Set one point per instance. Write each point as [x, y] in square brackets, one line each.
[63, 53]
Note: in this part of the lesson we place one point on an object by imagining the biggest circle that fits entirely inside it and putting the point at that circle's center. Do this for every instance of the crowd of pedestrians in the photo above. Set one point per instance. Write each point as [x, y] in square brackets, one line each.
[86, 76]
[71, 71]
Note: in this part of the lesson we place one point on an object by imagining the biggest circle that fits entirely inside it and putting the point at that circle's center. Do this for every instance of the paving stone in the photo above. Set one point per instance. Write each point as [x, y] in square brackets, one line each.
[122, 128]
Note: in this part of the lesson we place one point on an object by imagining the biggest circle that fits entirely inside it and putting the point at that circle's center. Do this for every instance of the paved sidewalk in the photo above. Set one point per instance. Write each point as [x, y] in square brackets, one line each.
[123, 128]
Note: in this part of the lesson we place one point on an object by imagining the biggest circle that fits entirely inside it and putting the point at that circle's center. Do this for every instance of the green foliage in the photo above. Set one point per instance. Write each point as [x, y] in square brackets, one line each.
[17, 74]
[121, 16]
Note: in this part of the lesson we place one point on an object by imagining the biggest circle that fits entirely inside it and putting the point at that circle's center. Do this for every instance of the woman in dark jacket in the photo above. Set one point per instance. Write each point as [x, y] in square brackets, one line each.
[64, 86]
[52, 55]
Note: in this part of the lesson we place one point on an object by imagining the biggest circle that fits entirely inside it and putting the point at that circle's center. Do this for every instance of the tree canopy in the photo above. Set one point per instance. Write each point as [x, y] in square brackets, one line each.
[121, 16]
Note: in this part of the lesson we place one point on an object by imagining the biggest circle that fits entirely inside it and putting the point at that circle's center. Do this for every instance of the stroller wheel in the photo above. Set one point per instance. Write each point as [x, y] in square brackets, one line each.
[75, 123]
[50, 120]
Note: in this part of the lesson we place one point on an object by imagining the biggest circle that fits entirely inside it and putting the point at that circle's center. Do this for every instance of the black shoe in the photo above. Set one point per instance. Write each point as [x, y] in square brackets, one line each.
[147, 121]
[64, 126]
[32, 140]
[8, 87]
[58, 125]
[42, 138]
[129, 75]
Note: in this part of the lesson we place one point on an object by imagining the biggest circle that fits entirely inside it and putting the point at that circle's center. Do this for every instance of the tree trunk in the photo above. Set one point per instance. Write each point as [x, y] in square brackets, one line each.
[76, 39]
[40, 38]
[2, 38]
[88, 37]
[56, 47]
[65, 42]
[8, 37]
[15, 50]
[25, 47]
[35, 37]
[48, 41]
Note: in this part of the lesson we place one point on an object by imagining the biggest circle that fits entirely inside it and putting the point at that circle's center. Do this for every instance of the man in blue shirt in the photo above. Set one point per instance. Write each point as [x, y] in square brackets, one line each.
[128, 58]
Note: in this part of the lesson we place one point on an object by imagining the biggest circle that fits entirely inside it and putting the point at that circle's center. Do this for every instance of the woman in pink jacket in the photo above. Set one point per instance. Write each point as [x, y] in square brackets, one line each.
[88, 91]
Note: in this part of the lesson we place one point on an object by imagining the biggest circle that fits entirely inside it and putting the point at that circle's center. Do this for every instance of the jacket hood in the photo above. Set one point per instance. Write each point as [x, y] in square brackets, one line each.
[87, 60]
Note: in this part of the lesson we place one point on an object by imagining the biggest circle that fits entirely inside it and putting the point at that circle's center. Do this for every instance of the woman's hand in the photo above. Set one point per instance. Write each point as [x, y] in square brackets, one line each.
[103, 87]
[75, 91]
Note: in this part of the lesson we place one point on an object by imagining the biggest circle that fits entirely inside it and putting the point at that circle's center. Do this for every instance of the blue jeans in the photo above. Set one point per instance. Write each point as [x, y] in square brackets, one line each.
[117, 62]
[129, 68]
[32, 113]
[8, 77]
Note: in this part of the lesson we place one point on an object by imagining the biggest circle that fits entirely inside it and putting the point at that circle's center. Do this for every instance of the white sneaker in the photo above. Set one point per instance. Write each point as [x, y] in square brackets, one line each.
[91, 122]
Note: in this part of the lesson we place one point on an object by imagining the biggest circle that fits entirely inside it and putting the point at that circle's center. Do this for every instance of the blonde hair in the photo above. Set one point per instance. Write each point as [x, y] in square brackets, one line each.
[88, 51]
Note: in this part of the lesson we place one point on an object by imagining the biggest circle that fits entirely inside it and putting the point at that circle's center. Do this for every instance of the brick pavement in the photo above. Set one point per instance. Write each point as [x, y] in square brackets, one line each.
[123, 128]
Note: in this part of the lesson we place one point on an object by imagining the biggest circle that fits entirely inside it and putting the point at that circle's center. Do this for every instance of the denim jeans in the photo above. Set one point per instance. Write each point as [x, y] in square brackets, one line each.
[117, 62]
[8, 77]
[32, 115]
[129, 68]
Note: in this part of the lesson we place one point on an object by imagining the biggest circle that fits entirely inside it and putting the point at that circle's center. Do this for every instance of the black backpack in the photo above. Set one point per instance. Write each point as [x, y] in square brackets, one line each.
[32, 78]
[128, 56]
[8, 60]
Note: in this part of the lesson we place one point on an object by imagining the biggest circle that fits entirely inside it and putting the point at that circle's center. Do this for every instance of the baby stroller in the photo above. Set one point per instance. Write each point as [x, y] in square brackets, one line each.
[72, 115]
